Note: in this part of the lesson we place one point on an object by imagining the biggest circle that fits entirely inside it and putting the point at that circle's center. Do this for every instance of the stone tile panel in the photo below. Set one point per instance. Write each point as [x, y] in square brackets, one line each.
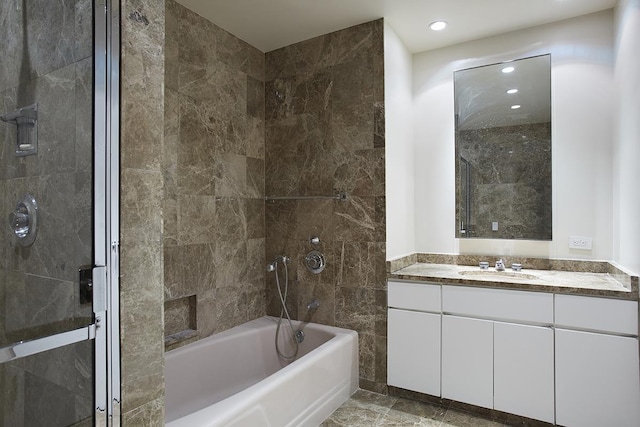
[255, 218]
[256, 271]
[141, 314]
[255, 97]
[199, 268]
[230, 175]
[196, 219]
[230, 259]
[325, 133]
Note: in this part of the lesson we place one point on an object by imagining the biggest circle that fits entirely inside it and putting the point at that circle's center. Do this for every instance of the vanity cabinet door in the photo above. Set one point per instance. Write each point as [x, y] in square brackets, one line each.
[523, 370]
[413, 355]
[597, 380]
[467, 360]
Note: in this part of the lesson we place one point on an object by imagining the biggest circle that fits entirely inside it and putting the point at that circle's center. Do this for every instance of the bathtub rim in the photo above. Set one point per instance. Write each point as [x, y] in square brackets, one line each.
[339, 394]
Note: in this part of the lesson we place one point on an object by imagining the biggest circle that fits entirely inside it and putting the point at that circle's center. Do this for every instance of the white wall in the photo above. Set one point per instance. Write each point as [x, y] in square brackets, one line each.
[399, 146]
[582, 98]
[626, 137]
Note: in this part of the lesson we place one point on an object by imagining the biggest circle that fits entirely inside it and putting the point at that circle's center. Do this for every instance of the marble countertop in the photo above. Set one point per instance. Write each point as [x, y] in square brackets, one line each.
[581, 283]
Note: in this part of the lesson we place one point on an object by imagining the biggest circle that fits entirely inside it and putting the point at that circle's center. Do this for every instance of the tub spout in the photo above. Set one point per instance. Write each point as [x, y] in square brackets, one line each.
[312, 305]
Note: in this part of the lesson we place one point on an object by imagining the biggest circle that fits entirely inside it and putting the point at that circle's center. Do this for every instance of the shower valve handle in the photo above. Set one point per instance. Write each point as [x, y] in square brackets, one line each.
[315, 262]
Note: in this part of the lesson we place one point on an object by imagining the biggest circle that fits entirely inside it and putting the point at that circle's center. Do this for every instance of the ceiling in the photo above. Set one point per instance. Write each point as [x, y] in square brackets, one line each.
[272, 24]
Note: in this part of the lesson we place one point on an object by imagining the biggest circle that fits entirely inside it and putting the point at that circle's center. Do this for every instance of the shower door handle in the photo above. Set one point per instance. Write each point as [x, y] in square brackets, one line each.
[28, 348]
[95, 279]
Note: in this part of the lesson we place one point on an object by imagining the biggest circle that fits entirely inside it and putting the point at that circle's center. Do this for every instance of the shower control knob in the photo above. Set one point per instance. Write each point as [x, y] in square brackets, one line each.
[23, 220]
[315, 262]
[19, 221]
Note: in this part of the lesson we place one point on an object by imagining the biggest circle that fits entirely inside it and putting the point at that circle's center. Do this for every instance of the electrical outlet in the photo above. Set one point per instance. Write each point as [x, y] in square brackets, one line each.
[579, 242]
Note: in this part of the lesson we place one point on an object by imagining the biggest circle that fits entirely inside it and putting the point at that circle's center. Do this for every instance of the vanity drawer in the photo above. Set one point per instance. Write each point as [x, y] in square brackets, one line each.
[597, 314]
[414, 296]
[498, 304]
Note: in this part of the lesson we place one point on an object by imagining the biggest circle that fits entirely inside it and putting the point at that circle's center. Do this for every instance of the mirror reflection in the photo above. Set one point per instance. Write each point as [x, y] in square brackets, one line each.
[503, 150]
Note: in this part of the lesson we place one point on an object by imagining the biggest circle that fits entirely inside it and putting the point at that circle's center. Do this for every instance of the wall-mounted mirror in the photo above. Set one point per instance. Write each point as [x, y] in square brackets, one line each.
[503, 150]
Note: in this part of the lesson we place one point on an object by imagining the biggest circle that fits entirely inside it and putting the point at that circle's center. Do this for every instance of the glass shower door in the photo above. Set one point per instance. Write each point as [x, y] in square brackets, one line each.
[51, 283]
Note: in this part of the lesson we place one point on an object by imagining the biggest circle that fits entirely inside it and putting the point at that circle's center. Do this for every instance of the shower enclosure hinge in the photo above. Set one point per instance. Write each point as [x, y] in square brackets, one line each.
[93, 287]
[25, 120]
[85, 281]
[99, 289]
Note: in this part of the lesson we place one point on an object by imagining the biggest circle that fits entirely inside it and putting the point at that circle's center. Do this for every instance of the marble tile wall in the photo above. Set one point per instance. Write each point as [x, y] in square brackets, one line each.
[213, 170]
[324, 133]
[208, 180]
[46, 53]
[141, 215]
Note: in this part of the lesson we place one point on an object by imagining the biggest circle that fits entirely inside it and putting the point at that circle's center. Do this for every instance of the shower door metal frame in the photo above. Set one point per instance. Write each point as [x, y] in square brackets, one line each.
[106, 208]
[105, 331]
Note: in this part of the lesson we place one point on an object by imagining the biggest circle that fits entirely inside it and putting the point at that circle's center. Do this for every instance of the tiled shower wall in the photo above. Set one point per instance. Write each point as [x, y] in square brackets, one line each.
[323, 110]
[213, 168]
[46, 58]
[325, 133]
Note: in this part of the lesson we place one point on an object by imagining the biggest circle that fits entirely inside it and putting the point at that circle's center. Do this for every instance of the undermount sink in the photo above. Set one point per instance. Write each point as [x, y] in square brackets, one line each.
[493, 273]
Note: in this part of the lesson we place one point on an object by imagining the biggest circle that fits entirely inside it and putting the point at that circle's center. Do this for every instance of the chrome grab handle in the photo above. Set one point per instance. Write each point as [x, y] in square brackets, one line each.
[342, 196]
[27, 348]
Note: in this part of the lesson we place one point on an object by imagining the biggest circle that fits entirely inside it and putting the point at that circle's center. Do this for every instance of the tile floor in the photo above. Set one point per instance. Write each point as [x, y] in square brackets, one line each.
[367, 409]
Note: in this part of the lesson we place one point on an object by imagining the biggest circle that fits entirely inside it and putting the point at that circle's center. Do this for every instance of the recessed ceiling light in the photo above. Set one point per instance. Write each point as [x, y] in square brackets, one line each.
[515, 107]
[438, 25]
[508, 69]
[512, 91]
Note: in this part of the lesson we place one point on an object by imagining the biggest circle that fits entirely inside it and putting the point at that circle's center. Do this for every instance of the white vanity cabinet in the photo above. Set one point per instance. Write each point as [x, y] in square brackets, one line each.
[564, 359]
[413, 337]
[497, 350]
[496, 365]
[467, 360]
[597, 363]
[523, 370]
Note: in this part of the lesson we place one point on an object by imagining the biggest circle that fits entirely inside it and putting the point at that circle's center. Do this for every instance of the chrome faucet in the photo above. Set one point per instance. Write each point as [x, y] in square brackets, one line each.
[312, 305]
[500, 265]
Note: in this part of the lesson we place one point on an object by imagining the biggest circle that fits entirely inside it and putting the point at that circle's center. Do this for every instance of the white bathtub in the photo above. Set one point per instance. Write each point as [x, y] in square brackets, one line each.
[235, 378]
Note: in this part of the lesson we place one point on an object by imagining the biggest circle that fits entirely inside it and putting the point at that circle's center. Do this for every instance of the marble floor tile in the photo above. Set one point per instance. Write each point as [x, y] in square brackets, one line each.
[362, 409]
[407, 412]
[375, 401]
[455, 418]
[367, 409]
